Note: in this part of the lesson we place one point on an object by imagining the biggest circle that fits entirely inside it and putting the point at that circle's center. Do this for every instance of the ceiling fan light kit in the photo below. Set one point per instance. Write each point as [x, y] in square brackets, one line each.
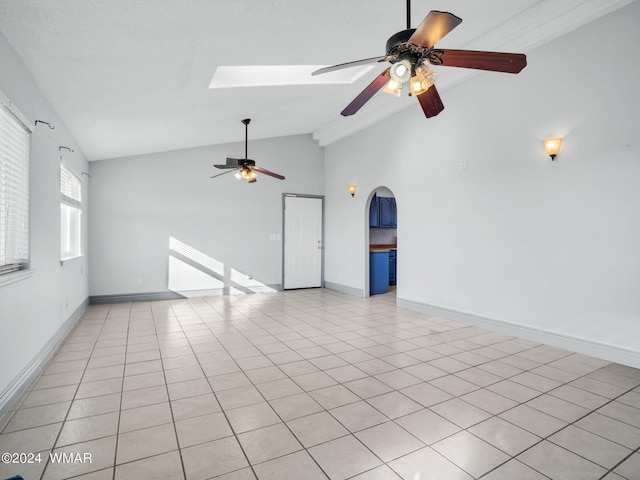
[410, 53]
[245, 168]
[393, 88]
[421, 81]
[248, 175]
[400, 71]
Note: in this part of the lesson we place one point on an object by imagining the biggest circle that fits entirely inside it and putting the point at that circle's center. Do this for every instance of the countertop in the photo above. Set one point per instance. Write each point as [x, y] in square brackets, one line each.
[382, 247]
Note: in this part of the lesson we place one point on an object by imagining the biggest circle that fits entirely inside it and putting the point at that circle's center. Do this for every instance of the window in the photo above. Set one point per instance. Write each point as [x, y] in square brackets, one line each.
[70, 214]
[14, 189]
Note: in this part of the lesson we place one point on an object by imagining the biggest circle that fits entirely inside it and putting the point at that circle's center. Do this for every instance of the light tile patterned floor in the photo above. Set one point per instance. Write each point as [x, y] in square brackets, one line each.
[314, 384]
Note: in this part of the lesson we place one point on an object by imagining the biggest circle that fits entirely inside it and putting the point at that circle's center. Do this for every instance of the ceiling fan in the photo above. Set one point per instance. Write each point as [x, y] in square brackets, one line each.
[410, 53]
[246, 169]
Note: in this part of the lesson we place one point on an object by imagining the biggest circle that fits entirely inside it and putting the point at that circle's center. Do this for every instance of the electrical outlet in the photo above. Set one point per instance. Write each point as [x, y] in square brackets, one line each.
[139, 282]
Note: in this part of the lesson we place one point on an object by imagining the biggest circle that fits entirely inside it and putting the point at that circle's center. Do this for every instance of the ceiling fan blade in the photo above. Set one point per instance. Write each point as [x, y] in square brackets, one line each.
[267, 172]
[430, 102]
[220, 174]
[433, 28]
[492, 61]
[357, 103]
[224, 167]
[340, 66]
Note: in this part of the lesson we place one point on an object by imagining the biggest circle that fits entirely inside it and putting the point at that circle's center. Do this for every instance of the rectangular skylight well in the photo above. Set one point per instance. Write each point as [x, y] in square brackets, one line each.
[280, 75]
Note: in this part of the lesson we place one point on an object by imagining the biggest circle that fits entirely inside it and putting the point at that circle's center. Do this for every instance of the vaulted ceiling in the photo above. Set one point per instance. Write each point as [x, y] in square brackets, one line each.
[131, 77]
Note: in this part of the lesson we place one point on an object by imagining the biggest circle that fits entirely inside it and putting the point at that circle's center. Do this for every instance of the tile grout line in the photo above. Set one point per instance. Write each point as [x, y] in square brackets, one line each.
[546, 438]
[284, 422]
[245, 325]
[270, 406]
[84, 371]
[235, 435]
[166, 385]
[350, 433]
[124, 368]
[508, 355]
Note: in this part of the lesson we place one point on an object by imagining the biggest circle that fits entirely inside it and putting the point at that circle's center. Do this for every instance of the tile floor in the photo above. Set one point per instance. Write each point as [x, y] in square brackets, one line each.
[314, 384]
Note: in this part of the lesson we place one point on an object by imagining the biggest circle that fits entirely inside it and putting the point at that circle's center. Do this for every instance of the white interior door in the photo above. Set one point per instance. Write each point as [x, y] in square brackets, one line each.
[302, 242]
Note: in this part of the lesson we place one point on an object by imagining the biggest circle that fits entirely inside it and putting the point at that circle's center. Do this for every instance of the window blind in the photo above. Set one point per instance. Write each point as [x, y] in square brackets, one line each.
[14, 192]
[70, 213]
[70, 187]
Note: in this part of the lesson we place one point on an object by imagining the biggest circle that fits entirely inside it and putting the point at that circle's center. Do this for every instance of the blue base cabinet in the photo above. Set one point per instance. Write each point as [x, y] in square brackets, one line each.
[392, 267]
[378, 272]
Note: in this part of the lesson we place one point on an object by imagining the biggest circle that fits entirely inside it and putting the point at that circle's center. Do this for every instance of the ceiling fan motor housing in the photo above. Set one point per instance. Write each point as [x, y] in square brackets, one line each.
[397, 40]
[398, 49]
[239, 162]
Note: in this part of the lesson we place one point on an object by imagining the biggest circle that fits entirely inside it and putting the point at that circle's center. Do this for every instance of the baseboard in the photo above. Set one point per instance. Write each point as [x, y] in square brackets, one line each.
[356, 292]
[133, 297]
[575, 344]
[171, 295]
[23, 380]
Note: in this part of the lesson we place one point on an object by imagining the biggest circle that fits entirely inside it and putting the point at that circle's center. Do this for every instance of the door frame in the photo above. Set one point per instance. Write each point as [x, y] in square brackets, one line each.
[302, 195]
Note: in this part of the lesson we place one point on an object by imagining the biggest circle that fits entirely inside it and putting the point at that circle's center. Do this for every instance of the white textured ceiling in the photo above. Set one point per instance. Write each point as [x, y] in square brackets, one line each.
[130, 77]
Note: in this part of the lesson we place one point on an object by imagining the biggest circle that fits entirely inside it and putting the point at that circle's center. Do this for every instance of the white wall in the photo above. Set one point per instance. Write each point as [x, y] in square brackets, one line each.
[34, 309]
[138, 203]
[517, 238]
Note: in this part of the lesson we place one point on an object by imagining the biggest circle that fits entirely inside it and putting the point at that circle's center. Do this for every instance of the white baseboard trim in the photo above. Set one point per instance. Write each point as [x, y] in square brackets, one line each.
[175, 295]
[356, 292]
[21, 382]
[575, 344]
[133, 297]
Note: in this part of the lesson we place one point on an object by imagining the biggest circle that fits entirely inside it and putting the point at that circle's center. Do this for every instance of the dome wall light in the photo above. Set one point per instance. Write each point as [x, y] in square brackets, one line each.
[552, 146]
[352, 189]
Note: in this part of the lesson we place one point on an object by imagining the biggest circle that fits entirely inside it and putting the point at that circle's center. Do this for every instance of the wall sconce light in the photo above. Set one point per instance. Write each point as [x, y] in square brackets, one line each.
[552, 146]
[352, 190]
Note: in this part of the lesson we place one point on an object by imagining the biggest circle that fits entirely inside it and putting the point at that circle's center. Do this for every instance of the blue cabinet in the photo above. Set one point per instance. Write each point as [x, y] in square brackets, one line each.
[374, 212]
[392, 266]
[378, 272]
[383, 212]
[388, 215]
[394, 213]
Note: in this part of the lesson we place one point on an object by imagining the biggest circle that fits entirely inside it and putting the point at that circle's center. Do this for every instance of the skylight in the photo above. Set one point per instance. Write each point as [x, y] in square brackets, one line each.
[280, 75]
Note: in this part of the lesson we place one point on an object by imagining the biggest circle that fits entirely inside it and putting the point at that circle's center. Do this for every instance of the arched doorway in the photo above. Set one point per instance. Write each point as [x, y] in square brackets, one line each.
[381, 242]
